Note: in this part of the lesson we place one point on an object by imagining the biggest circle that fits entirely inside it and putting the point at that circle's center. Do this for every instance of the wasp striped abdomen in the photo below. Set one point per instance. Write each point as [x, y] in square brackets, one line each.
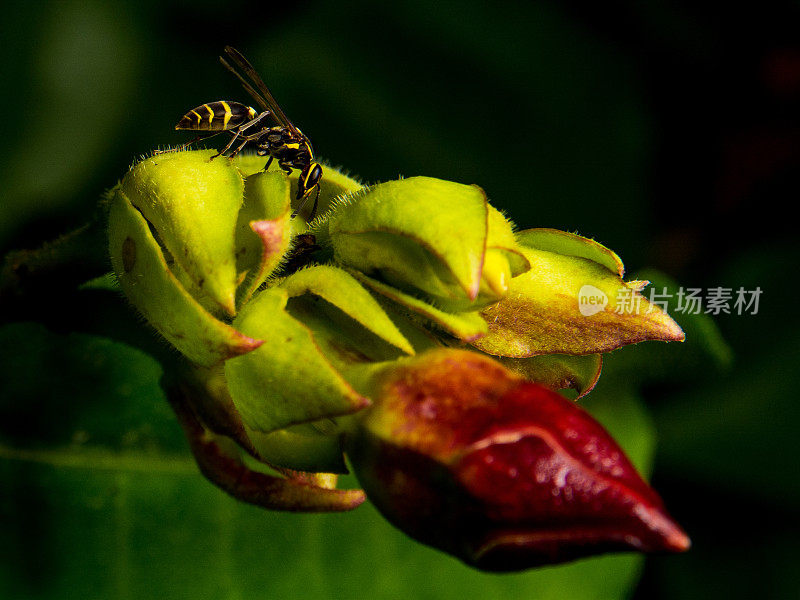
[217, 116]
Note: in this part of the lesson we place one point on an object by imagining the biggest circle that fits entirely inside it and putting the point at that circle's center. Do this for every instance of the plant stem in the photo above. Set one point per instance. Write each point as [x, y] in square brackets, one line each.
[65, 262]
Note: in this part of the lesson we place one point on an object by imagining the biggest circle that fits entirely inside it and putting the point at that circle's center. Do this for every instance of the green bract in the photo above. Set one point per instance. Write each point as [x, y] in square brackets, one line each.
[572, 301]
[290, 327]
[193, 204]
[153, 287]
[430, 237]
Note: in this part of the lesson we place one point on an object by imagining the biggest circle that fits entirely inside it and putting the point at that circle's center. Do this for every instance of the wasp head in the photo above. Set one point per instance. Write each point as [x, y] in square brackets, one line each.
[309, 179]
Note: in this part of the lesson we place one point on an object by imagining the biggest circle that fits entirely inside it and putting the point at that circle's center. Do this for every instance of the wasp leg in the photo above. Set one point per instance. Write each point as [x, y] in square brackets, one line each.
[269, 162]
[306, 196]
[247, 139]
[240, 130]
[190, 142]
[257, 119]
[239, 149]
[228, 147]
[314, 208]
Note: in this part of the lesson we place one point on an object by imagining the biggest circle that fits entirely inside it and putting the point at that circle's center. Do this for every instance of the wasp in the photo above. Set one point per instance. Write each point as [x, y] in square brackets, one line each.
[270, 130]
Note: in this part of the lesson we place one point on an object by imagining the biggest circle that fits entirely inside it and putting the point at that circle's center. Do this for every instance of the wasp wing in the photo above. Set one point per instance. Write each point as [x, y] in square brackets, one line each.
[249, 88]
[265, 97]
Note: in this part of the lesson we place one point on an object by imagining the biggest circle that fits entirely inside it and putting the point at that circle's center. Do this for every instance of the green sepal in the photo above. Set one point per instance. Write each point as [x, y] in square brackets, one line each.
[192, 202]
[404, 230]
[225, 464]
[197, 293]
[154, 290]
[415, 328]
[502, 239]
[542, 313]
[466, 326]
[301, 448]
[559, 371]
[263, 231]
[287, 380]
[313, 446]
[570, 244]
[333, 184]
[343, 291]
[502, 261]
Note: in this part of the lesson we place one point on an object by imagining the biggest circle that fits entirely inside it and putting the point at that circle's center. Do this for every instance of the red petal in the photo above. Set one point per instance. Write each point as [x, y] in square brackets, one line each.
[552, 482]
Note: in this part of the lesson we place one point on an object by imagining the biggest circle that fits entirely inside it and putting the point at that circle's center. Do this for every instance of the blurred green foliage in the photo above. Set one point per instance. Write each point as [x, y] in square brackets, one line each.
[667, 130]
[101, 500]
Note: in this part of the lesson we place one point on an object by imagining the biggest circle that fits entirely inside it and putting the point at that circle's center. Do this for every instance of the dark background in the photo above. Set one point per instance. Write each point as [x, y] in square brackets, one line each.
[667, 130]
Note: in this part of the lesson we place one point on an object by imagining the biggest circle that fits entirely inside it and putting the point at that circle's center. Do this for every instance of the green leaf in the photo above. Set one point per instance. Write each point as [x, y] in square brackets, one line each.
[741, 417]
[744, 427]
[108, 498]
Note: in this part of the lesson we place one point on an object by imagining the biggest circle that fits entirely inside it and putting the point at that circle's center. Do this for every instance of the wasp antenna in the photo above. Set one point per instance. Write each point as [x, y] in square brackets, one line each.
[237, 56]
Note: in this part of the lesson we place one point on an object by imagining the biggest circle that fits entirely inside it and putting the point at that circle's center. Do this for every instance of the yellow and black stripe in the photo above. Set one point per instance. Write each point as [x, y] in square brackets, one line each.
[217, 116]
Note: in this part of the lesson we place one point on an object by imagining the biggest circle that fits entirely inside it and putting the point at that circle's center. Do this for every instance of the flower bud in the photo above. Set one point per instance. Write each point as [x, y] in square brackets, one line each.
[504, 474]
[293, 361]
